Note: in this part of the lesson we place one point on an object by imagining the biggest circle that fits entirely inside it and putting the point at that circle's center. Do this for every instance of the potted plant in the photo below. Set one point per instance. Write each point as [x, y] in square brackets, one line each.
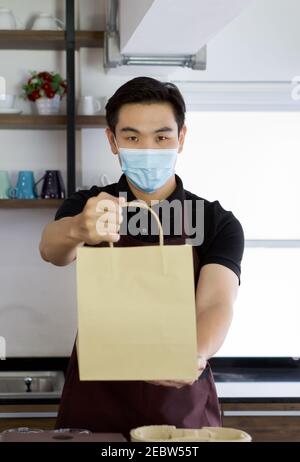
[46, 89]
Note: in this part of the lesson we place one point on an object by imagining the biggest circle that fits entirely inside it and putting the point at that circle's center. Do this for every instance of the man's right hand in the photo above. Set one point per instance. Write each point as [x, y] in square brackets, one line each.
[100, 220]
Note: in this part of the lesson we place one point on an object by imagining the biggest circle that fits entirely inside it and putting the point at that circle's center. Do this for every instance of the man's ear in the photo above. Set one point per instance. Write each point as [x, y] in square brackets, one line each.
[182, 138]
[112, 140]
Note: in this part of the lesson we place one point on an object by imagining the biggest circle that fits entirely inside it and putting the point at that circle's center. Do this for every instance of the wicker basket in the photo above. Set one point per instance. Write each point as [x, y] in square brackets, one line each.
[168, 433]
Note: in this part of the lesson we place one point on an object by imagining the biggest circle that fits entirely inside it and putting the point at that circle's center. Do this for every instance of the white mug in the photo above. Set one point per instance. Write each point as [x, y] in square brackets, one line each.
[88, 105]
[8, 20]
[45, 21]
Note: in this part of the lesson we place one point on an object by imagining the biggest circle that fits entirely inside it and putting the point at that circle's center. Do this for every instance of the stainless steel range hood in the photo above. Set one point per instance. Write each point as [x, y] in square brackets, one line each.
[164, 33]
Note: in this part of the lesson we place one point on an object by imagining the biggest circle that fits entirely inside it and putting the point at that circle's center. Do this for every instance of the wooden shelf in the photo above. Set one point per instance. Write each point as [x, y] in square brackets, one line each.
[51, 122]
[47, 40]
[89, 39]
[97, 121]
[30, 203]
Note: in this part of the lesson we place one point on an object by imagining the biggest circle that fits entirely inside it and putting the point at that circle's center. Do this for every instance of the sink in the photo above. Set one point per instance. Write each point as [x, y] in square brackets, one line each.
[31, 384]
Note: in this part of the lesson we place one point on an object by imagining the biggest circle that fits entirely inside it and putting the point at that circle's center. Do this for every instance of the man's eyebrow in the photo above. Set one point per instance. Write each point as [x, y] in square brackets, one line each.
[164, 129]
[129, 129]
[135, 130]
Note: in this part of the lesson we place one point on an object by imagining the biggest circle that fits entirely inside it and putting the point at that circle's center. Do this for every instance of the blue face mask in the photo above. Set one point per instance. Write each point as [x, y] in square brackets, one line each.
[148, 169]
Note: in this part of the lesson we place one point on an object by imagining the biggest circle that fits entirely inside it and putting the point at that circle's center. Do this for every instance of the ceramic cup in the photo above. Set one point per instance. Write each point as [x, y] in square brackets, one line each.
[25, 188]
[89, 105]
[8, 21]
[45, 21]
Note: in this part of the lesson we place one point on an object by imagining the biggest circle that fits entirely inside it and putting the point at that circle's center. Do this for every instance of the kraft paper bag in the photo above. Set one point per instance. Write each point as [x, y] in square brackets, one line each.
[136, 312]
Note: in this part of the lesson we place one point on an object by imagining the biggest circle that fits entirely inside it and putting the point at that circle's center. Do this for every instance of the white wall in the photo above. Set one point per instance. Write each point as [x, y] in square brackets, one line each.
[261, 44]
[37, 300]
[37, 305]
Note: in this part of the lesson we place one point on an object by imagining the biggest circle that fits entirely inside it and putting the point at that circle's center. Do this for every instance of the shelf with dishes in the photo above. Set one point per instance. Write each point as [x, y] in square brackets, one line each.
[25, 193]
[47, 32]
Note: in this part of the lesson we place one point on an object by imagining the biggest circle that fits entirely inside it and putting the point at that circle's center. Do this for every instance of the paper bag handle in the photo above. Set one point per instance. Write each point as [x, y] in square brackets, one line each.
[143, 205]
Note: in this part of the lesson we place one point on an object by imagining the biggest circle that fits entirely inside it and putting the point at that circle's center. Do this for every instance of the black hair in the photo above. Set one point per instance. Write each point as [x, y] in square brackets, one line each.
[145, 90]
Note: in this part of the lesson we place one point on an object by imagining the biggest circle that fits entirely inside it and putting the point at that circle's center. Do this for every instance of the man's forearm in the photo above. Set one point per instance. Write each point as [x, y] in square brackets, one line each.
[213, 323]
[58, 244]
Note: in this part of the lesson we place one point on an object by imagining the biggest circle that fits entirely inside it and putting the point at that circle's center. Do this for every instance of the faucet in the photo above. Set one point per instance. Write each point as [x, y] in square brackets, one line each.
[28, 382]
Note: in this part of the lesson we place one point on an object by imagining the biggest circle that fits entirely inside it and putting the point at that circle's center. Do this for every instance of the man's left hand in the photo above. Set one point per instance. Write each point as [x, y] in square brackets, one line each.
[201, 362]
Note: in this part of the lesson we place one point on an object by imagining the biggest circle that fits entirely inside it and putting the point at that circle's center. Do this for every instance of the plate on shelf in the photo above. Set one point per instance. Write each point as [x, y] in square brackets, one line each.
[10, 111]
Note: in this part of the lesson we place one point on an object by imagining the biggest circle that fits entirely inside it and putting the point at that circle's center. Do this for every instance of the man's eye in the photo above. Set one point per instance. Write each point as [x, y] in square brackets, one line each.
[132, 138]
[162, 138]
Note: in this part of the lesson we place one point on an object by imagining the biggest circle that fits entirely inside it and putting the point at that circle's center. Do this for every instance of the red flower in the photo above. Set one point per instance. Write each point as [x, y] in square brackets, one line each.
[35, 95]
[46, 86]
[50, 94]
[46, 76]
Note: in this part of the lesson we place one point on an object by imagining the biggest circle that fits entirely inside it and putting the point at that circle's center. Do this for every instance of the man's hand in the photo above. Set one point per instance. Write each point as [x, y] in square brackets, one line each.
[181, 383]
[100, 220]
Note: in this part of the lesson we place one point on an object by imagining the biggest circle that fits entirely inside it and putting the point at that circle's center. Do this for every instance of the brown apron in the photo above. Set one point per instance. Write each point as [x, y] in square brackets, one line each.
[118, 407]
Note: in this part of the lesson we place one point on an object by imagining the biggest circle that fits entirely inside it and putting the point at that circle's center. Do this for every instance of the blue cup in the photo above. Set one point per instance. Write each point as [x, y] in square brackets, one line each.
[25, 188]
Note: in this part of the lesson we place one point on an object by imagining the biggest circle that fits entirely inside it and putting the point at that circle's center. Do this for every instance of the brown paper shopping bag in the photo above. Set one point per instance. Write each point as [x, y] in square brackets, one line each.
[136, 312]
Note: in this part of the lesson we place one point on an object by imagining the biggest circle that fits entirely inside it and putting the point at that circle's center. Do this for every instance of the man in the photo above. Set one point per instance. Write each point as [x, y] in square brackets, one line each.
[146, 130]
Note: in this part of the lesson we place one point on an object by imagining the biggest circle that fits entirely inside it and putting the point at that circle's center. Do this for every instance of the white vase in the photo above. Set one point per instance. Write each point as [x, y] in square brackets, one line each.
[48, 106]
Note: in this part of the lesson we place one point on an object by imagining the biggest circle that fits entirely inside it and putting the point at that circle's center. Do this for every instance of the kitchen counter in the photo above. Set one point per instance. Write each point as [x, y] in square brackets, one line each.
[243, 384]
[264, 401]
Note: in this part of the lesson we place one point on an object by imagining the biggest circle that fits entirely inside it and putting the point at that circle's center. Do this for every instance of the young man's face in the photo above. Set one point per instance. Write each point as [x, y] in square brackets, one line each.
[146, 126]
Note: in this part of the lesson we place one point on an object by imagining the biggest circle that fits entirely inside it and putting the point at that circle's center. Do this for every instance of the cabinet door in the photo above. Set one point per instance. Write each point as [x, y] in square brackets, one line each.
[264, 421]
[32, 415]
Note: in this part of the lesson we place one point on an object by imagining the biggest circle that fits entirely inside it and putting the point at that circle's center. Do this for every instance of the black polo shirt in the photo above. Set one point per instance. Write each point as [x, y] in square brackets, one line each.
[223, 241]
